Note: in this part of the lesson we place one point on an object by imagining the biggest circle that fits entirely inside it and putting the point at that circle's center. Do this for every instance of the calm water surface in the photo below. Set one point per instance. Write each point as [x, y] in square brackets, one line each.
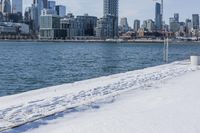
[27, 66]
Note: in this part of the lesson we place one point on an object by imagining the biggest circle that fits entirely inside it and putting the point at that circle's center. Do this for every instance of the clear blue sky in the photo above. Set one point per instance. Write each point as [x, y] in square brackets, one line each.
[132, 9]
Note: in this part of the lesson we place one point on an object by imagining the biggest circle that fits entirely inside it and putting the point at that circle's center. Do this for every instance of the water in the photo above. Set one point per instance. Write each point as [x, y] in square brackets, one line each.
[27, 66]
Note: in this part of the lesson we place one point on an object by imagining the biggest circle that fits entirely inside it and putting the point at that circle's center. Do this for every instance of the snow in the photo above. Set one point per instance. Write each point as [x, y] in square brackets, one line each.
[158, 99]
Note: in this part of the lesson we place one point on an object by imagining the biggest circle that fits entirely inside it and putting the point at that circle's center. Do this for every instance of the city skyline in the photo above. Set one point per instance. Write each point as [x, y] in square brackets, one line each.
[132, 9]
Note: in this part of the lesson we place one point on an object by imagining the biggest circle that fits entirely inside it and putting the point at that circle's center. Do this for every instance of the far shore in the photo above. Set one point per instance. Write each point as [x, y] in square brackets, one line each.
[99, 41]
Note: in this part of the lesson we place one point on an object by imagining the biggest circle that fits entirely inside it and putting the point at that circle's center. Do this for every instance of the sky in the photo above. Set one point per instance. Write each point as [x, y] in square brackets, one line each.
[132, 9]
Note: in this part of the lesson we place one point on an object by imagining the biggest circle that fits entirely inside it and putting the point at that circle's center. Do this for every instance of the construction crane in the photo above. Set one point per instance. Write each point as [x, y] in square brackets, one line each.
[166, 40]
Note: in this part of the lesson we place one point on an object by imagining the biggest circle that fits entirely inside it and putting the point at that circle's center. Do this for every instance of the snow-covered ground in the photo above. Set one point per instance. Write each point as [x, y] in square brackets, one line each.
[153, 100]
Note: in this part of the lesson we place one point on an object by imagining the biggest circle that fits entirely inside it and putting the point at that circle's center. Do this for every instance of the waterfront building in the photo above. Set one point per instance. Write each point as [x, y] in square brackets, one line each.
[101, 29]
[136, 25]
[144, 25]
[14, 17]
[10, 28]
[6, 6]
[61, 10]
[16, 6]
[50, 25]
[110, 9]
[176, 17]
[158, 17]
[38, 6]
[173, 25]
[124, 27]
[195, 21]
[52, 5]
[27, 16]
[150, 25]
[189, 26]
[86, 25]
[105, 29]
[69, 25]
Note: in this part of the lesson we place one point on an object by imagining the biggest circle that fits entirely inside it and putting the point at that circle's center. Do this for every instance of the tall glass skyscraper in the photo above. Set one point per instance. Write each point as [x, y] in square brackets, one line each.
[195, 21]
[45, 4]
[136, 25]
[176, 17]
[6, 6]
[52, 5]
[61, 10]
[38, 5]
[158, 17]
[110, 9]
[16, 6]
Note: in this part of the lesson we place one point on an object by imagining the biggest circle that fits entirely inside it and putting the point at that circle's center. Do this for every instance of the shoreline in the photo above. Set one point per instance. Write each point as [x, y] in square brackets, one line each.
[99, 41]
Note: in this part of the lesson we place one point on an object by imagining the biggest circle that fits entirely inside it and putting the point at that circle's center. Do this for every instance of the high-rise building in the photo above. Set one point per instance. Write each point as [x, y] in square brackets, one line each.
[150, 25]
[195, 21]
[6, 6]
[50, 25]
[104, 29]
[61, 10]
[124, 25]
[158, 17]
[52, 5]
[173, 25]
[136, 26]
[110, 9]
[87, 25]
[34, 18]
[176, 17]
[0, 5]
[69, 25]
[188, 23]
[144, 25]
[38, 6]
[45, 4]
[16, 6]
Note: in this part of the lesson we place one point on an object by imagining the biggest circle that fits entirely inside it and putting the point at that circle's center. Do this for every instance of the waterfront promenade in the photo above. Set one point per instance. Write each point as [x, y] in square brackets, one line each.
[150, 90]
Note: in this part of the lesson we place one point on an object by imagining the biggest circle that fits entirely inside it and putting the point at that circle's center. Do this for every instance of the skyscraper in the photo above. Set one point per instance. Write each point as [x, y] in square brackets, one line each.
[124, 24]
[110, 9]
[52, 5]
[136, 25]
[0, 5]
[61, 10]
[195, 21]
[176, 17]
[6, 6]
[188, 23]
[16, 6]
[45, 3]
[150, 25]
[158, 17]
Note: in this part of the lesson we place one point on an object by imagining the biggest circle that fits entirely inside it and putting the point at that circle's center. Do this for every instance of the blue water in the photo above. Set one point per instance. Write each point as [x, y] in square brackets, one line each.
[26, 66]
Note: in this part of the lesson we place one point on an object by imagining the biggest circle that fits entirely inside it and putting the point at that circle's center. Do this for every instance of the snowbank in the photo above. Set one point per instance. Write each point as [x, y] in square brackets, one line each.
[155, 110]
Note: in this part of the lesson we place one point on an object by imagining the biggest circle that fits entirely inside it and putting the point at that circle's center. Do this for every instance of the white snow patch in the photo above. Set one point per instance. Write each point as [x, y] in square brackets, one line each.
[132, 112]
